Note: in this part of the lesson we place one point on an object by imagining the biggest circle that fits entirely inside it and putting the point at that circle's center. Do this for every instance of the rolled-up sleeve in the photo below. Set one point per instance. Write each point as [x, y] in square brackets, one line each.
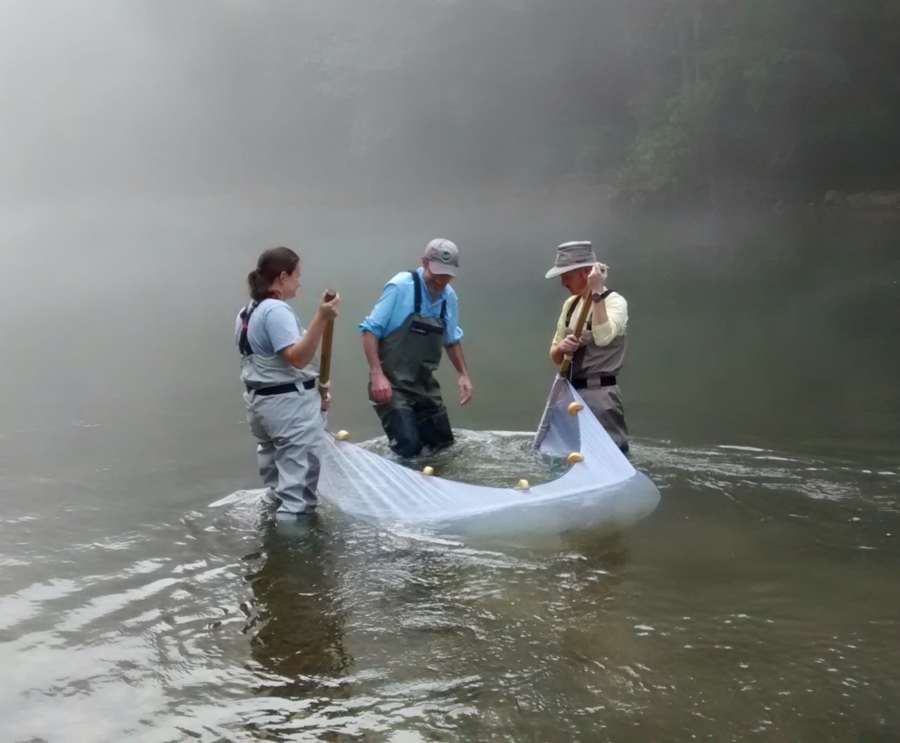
[378, 320]
[452, 332]
[617, 320]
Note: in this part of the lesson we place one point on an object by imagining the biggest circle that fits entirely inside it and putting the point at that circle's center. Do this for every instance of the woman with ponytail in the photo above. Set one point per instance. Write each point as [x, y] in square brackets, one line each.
[283, 406]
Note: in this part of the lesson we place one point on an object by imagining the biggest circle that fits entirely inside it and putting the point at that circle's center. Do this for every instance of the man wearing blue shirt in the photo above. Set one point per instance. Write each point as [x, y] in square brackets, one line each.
[404, 336]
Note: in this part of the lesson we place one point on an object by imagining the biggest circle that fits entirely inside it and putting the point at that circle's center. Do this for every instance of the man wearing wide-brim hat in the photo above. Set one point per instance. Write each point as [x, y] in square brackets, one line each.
[598, 355]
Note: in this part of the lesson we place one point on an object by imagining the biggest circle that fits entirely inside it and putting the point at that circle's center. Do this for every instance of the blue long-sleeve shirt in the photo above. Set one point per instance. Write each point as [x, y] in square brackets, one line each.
[398, 301]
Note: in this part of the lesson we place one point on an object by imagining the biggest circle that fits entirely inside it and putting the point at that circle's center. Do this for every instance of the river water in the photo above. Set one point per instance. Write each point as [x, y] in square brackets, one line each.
[758, 601]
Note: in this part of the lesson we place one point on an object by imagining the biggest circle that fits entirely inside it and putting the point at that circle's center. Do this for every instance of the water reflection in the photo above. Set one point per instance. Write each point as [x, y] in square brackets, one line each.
[295, 619]
[759, 597]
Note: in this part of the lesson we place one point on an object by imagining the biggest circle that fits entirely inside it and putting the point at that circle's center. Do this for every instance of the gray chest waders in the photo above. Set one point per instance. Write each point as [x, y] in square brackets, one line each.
[593, 373]
[415, 417]
[283, 410]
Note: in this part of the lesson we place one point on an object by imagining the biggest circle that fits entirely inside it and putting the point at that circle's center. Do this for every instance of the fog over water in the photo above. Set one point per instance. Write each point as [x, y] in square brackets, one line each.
[150, 150]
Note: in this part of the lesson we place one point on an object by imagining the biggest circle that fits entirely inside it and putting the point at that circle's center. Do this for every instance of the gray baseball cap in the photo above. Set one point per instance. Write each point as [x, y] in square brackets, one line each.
[443, 257]
[569, 256]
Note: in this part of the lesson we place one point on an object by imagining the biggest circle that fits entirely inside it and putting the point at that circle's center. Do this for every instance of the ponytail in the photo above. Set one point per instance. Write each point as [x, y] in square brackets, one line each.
[259, 289]
[271, 264]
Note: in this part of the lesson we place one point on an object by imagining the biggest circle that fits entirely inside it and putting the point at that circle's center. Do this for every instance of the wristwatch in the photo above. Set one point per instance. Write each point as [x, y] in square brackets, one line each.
[598, 297]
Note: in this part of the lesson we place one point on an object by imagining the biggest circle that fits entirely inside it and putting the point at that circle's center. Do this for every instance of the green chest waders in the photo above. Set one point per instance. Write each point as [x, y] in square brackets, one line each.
[415, 417]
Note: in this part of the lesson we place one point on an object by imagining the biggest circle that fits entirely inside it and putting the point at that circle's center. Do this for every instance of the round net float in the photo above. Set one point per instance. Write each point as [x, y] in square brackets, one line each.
[342, 436]
[574, 407]
[574, 457]
[428, 470]
[523, 485]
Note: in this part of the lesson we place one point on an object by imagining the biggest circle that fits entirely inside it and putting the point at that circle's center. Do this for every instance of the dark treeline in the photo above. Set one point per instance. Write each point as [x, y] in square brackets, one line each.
[660, 98]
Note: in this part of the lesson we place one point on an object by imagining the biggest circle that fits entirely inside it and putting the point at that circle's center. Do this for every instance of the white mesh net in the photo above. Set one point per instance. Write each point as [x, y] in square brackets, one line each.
[604, 487]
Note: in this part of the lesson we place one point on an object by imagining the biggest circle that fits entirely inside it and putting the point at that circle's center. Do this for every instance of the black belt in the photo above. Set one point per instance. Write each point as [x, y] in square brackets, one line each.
[582, 384]
[281, 389]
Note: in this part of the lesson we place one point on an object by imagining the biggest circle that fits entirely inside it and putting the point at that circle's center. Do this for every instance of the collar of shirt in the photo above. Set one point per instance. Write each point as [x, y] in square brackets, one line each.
[426, 293]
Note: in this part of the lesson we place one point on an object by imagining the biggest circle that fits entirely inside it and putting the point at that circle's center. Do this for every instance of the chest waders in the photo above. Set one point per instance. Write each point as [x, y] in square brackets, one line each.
[283, 409]
[593, 373]
[415, 417]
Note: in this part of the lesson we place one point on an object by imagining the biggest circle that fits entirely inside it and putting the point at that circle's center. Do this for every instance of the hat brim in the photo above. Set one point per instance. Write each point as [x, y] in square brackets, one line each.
[560, 270]
[442, 269]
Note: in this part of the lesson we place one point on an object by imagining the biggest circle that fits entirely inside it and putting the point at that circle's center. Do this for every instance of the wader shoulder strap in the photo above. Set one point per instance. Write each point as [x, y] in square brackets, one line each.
[244, 343]
[418, 288]
[418, 297]
[571, 312]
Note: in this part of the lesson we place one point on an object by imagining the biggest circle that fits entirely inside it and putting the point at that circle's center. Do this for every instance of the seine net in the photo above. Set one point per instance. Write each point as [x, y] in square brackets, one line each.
[604, 486]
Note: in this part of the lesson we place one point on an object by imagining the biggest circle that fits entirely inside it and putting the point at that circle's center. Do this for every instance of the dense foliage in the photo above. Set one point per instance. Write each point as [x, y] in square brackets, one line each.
[660, 98]
[665, 96]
